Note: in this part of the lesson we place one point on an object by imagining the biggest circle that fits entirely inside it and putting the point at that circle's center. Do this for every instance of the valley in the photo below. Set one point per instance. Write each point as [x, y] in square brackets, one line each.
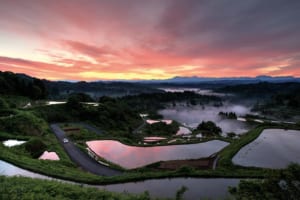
[179, 137]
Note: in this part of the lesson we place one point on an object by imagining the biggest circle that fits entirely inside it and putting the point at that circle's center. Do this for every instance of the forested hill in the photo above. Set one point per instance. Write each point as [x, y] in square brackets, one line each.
[262, 89]
[22, 85]
[97, 89]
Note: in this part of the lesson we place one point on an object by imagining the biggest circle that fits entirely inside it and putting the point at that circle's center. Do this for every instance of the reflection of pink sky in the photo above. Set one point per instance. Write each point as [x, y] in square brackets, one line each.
[49, 156]
[133, 157]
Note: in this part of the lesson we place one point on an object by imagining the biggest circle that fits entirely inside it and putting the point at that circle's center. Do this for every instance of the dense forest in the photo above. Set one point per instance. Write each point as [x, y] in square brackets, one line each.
[22, 85]
[155, 101]
[262, 89]
[284, 105]
[61, 89]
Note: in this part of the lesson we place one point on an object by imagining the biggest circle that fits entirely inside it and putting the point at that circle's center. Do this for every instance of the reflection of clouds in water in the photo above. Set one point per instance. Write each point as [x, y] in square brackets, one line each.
[194, 115]
[232, 126]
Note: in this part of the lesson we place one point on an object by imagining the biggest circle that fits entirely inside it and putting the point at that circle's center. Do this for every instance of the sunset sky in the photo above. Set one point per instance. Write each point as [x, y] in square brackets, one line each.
[149, 39]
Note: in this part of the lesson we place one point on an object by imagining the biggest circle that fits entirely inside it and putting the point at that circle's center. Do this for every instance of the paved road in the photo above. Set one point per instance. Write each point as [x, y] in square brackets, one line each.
[80, 158]
[89, 127]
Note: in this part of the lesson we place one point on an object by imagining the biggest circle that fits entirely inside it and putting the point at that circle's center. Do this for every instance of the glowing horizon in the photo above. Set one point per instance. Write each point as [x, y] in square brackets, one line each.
[138, 40]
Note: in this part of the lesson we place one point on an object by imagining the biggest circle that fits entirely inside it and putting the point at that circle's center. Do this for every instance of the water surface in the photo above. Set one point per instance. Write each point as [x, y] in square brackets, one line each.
[274, 148]
[198, 188]
[133, 157]
[12, 143]
[11, 170]
[193, 115]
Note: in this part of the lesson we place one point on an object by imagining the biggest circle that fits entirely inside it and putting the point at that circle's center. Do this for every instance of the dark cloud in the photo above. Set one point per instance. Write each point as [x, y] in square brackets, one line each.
[178, 37]
[245, 25]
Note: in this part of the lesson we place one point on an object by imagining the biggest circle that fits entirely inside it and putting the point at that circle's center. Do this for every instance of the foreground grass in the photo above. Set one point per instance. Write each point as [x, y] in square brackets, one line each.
[27, 188]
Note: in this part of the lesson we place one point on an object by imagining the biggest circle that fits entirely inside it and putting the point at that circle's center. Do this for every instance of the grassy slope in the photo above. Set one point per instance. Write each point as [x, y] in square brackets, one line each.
[27, 188]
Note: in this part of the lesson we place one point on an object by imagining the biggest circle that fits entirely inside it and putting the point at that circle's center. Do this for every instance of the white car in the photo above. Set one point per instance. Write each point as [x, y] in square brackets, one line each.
[65, 140]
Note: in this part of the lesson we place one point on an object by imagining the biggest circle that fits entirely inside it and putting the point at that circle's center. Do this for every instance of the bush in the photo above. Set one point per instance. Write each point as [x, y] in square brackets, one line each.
[27, 188]
[35, 147]
[161, 128]
[209, 128]
[231, 134]
[74, 101]
[24, 123]
[3, 104]
[284, 185]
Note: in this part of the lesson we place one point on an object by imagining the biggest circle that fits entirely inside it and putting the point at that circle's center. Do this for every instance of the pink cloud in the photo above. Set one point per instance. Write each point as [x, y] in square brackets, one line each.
[144, 38]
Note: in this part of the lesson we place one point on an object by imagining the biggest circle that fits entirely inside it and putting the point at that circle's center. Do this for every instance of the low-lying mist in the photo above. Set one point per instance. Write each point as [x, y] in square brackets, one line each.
[193, 115]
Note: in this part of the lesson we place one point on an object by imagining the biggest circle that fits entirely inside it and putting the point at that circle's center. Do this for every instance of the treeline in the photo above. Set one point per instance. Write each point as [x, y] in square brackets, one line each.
[262, 89]
[291, 100]
[283, 185]
[161, 129]
[228, 115]
[111, 115]
[285, 105]
[155, 101]
[22, 85]
[61, 89]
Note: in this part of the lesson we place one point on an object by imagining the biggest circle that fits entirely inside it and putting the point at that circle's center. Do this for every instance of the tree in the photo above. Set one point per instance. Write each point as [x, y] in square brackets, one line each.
[162, 129]
[35, 147]
[231, 134]
[284, 185]
[209, 128]
[229, 115]
[74, 100]
[3, 104]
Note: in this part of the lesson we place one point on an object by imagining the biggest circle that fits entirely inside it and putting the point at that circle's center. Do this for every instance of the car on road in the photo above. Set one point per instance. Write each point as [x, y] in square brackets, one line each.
[65, 140]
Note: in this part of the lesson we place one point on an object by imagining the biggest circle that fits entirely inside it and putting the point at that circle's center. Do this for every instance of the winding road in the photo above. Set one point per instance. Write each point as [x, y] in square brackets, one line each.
[80, 158]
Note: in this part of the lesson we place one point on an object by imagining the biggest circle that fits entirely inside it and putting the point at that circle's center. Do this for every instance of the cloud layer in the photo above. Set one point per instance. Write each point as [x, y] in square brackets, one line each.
[135, 39]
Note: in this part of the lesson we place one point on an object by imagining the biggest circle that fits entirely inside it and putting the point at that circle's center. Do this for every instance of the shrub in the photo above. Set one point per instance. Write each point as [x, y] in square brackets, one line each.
[209, 128]
[3, 104]
[24, 123]
[35, 147]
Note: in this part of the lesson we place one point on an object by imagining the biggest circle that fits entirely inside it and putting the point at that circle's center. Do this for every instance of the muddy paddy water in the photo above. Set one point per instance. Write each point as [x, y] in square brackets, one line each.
[133, 157]
[274, 148]
[193, 115]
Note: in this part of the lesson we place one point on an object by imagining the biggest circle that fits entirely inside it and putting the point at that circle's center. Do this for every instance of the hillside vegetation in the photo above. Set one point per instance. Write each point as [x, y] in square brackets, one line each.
[26, 188]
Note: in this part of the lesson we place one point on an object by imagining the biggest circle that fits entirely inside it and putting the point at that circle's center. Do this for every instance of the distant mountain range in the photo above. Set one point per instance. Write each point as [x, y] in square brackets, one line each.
[24, 85]
[196, 79]
[139, 85]
[223, 80]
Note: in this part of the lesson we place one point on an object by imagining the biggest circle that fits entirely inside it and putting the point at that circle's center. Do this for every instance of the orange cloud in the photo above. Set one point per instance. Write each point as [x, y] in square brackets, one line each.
[136, 39]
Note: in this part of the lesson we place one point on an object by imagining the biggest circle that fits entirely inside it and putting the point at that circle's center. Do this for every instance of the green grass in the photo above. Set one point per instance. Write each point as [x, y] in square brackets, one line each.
[228, 152]
[27, 188]
[16, 101]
